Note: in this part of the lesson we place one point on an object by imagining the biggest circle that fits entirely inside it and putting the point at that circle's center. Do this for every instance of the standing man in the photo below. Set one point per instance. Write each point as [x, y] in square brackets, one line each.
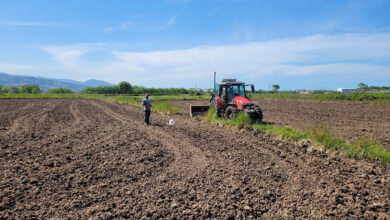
[147, 105]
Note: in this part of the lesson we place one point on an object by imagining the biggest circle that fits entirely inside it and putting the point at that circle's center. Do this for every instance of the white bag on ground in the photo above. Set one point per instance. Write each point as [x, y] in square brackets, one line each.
[171, 122]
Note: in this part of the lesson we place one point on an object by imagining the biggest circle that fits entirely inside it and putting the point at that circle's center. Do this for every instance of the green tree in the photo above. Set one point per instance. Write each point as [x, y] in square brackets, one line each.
[275, 87]
[60, 91]
[138, 90]
[35, 89]
[5, 90]
[24, 88]
[125, 88]
[13, 89]
[362, 86]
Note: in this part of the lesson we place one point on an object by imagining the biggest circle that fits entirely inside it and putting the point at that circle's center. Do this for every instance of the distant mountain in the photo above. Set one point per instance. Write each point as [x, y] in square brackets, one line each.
[49, 83]
[95, 82]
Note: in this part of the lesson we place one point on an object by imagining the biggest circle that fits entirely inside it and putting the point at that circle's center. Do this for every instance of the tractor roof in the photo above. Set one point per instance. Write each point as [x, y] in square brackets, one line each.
[230, 82]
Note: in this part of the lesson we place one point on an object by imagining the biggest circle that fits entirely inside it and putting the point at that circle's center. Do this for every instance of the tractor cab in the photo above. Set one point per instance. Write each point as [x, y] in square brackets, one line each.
[230, 91]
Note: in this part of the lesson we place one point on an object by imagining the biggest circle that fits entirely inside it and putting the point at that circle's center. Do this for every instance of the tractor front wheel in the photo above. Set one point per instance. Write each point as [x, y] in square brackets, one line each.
[259, 114]
[216, 111]
[230, 112]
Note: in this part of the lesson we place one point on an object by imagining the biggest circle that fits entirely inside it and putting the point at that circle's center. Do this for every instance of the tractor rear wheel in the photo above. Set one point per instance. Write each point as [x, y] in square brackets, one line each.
[230, 112]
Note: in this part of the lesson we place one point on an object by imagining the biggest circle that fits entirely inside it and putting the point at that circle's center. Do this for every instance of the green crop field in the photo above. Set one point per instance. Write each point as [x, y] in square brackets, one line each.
[380, 98]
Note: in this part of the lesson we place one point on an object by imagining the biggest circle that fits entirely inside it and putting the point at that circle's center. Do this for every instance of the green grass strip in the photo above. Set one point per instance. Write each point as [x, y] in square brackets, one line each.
[361, 148]
[122, 98]
[286, 131]
[165, 108]
[42, 96]
[162, 107]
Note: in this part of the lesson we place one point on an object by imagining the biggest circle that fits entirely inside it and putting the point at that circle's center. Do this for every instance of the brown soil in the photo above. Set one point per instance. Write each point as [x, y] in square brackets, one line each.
[79, 158]
[349, 119]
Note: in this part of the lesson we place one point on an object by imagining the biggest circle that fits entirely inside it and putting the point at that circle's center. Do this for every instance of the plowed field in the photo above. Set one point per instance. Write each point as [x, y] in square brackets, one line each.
[348, 119]
[78, 158]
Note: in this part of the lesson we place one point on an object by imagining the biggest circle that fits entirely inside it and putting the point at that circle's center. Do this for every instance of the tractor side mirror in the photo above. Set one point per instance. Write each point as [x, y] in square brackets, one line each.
[253, 88]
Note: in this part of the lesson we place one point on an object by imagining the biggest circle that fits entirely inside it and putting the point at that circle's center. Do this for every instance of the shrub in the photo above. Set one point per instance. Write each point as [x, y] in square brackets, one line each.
[35, 89]
[60, 91]
[241, 120]
[13, 89]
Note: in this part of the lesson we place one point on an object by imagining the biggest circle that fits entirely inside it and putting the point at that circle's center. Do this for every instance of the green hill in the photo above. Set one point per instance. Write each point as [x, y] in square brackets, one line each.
[49, 83]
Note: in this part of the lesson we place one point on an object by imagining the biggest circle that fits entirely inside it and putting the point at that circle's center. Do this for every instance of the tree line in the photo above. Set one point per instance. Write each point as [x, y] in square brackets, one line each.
[32, 89]
[122, 88]
[275, 89]
[126, 88]
[24, 88]
[60, 91]
[364, 87]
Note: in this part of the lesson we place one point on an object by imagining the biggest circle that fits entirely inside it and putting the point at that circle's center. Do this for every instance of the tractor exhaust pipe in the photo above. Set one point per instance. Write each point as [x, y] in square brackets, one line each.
[215, 78]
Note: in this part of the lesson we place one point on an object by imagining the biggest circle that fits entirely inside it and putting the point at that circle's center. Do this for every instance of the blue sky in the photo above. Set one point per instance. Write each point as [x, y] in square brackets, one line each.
[301, 44]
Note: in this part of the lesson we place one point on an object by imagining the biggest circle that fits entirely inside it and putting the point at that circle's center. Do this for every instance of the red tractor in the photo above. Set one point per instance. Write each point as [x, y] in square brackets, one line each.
[230, 97]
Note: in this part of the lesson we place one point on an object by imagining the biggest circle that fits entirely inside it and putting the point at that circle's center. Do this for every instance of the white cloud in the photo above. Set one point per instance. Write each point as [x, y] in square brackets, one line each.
[123, 26]
[331, 70]
[10, 68]
[70, 56]
[126, 25]
[352, 55]
[108, 29]
[26, 23]
[254, 57]
[171, 21]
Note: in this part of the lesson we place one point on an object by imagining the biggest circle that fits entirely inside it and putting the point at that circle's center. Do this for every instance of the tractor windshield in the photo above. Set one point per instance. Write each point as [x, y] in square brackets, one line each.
[239, 90]
[216, 90]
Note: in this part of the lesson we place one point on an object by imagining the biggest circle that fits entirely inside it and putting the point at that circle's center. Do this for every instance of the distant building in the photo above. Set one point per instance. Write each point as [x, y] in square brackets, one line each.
[196, 89]
[345, 91]
[201, 90]
[208, 90]
[303, 92]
